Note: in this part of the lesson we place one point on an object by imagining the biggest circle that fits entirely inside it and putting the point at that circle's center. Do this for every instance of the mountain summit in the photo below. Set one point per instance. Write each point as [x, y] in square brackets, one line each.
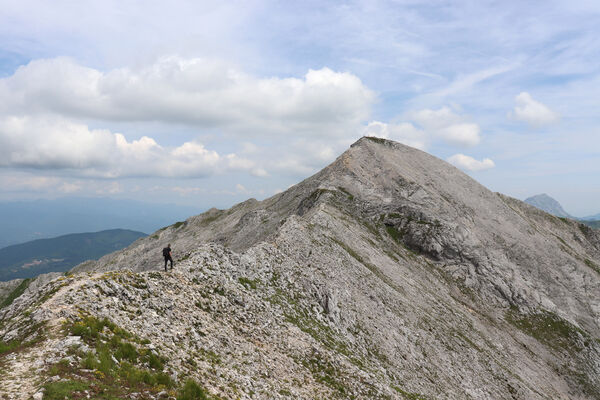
[548, 204]
[389, 274]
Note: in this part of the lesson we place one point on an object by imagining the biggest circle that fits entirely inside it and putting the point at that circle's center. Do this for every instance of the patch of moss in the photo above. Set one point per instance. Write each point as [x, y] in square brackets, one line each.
[249, 283]
[16, 292]
[349, 195]
[178, 224]
[408, 395]
[549, 329]
[210, 218]
[394, 233]
[592, 265]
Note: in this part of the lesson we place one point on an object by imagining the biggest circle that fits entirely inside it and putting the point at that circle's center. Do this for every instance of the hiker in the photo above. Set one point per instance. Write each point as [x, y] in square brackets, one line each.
[167, 256]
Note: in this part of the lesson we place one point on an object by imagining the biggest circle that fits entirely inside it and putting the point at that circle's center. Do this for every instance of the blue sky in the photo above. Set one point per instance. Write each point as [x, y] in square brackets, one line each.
[209, 103]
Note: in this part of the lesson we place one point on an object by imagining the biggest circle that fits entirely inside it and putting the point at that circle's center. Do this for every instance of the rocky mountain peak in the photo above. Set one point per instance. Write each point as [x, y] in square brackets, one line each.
[389, 274]
[548, 204]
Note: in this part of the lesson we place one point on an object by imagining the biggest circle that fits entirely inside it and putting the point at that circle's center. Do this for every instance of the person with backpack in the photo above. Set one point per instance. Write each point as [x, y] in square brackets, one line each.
[167, 256]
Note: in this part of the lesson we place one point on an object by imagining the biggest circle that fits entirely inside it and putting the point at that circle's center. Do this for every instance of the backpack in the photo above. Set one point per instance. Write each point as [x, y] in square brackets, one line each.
[166, 252]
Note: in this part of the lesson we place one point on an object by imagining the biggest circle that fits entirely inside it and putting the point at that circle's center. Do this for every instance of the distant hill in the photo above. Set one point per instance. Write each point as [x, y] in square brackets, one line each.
[551, 206]
[595, 217]
[548, 204]
[60, 254]
[23, 221]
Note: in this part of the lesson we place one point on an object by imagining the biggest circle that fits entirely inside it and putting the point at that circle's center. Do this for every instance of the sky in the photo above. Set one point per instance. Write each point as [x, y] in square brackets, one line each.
[210, 103]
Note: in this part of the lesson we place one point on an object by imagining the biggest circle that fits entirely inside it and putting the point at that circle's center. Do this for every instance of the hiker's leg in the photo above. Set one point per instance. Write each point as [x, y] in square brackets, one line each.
[166, 263]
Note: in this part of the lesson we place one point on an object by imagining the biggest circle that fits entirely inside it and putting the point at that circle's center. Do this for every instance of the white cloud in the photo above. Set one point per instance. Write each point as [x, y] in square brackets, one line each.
[447, 125]
[28, 183]
[405, 133]
[57, 143]
[67, 187]
[193, 91]
[533, 112]
[469, 163]
[241, 188]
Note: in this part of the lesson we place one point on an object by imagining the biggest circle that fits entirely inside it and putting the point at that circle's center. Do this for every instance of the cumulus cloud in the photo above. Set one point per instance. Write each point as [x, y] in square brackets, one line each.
[427, 126]
[191, 91]
[405, 133]
[57, 143]
[448, 126]
[469, 163]
[531, 111]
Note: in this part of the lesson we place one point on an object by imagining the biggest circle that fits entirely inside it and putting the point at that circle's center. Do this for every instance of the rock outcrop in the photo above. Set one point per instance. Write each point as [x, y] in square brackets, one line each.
[389, 274]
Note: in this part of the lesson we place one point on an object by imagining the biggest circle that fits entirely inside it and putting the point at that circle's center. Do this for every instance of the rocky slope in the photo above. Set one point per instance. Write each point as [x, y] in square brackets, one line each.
[389, 274]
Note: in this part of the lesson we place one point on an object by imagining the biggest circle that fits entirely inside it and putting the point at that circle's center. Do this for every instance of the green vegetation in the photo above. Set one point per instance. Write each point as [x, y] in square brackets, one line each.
[347, 193]
[588, 262]
[549, 329]
[178, 224]
[191, 391]
[8, 347]
[249, 283]
[207, 219]
[34, 333]
[62, 253]
[394, 233]
[18, 291]
[118, 365]
[64, 389]
[324, 372]
[408, 395]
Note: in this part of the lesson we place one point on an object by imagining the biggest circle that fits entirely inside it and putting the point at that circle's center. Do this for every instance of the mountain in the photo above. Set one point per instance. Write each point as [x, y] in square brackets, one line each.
[62, 253]
[551, 206]
[23, 221]
[389, 274]
[595, 217]
[548, 204]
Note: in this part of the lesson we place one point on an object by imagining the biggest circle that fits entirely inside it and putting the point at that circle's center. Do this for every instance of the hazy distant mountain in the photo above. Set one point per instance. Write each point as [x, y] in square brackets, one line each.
[548, 204]
[551, 206]
[595, 217]
[60, 254]
[24, 221]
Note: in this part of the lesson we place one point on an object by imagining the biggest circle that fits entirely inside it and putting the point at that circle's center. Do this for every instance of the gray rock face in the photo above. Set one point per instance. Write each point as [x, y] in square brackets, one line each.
[548, 204]
[389, 274]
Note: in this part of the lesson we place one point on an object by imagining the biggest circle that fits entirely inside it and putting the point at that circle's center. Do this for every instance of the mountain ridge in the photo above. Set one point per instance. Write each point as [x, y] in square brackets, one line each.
[388, 274]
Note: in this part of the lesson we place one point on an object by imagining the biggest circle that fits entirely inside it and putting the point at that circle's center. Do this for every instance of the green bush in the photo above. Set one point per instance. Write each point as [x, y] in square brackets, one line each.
[191, 391]
[126, 351]
[7, 347]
